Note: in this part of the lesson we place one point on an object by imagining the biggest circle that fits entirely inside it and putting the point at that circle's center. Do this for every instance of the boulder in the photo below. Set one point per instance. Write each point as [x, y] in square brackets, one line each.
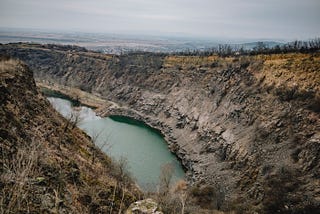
[146, 206]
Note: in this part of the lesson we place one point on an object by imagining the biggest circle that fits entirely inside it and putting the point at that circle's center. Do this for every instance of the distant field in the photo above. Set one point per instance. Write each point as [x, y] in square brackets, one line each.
[114, 44]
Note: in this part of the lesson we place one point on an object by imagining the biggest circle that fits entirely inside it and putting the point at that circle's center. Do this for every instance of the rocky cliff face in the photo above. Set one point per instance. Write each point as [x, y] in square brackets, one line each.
[247, 125]
[47, 165]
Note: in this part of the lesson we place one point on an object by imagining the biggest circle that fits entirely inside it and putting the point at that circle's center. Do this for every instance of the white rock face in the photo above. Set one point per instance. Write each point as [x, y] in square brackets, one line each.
[147, 206]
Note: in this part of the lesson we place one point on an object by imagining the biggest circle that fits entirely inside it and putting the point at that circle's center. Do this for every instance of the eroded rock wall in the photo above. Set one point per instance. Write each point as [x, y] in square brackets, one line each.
[246, 124]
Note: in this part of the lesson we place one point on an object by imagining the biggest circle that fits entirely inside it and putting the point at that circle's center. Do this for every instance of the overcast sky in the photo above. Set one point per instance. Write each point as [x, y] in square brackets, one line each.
[287, 19]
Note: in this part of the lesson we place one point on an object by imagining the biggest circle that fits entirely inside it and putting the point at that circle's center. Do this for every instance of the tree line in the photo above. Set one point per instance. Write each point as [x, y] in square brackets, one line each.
[260, 48]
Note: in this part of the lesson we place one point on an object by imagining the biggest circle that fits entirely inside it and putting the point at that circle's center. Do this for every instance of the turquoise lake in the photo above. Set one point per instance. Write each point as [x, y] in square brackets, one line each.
[120, 137]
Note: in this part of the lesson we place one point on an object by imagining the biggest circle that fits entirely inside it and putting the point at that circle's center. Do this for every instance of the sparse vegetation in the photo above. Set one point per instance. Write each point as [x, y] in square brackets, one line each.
[280, 196]
[179, 197]
[16, 176]
[246, 114]
[45, 168]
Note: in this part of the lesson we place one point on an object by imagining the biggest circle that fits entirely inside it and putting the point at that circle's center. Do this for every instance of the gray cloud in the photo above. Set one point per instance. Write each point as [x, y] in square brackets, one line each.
[289, 19]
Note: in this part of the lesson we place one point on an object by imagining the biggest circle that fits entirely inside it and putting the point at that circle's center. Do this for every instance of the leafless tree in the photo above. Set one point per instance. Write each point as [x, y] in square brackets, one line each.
[73, 120]
[100, 143]
[181, 189]
[165, 178]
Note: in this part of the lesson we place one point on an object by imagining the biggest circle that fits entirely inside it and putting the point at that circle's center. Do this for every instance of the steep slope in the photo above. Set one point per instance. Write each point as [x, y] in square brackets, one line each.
[46, 165]
[247, 125]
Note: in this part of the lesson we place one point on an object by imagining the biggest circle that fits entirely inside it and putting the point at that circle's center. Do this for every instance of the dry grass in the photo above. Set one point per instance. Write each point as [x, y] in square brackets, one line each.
[292, 70]
[19, 172]
[7, 65]
[44, 167]
[184, 61]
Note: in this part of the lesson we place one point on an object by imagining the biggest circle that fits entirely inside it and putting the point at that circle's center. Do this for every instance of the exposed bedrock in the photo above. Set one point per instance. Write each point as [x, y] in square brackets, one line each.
[236, 123]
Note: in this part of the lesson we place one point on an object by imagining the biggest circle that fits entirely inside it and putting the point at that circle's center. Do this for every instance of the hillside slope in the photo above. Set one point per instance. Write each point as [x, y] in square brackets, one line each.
[247, 125]
[46, 165]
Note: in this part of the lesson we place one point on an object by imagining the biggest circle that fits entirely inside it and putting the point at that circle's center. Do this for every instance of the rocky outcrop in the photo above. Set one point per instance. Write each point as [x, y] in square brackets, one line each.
[236, 123]
[146, 206]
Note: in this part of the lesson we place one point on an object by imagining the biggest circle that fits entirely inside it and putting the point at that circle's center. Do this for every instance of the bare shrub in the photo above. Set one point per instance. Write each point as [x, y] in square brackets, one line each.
[73, 120]
[165, 178]
[208, 197]
[97, 141]
[180, 190]
[120, 170]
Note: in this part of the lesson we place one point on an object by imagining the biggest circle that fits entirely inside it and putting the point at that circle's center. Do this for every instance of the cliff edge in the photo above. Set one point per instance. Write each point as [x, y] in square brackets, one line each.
[248, 126]
[46, 165]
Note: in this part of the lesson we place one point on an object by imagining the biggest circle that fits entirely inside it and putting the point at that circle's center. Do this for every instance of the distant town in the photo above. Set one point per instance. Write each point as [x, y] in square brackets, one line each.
[117, 44]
